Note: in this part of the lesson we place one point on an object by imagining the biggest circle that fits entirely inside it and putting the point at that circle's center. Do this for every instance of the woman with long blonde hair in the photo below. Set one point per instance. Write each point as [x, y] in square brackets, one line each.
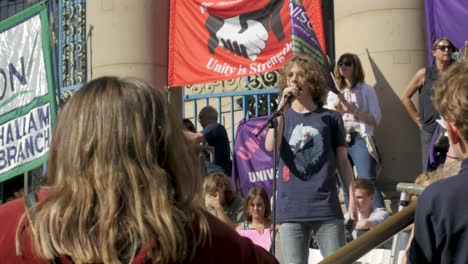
[124, 188]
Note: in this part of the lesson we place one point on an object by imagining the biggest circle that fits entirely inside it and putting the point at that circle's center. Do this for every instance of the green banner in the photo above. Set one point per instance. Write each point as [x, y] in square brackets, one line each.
[28, 107]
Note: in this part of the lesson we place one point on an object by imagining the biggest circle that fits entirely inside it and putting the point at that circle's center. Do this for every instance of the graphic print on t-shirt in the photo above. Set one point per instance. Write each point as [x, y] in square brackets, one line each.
[306, 154]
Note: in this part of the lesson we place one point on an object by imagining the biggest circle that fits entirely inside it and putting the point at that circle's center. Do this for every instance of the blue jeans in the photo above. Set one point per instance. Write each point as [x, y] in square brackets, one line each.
[295, 239]
[365, 166]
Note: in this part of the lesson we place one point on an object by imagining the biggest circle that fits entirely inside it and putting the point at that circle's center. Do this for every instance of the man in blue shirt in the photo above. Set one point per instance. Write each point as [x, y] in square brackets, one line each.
[215, 135]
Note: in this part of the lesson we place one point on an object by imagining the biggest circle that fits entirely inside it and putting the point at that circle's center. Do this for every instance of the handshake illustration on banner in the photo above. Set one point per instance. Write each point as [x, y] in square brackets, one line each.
[246, 34]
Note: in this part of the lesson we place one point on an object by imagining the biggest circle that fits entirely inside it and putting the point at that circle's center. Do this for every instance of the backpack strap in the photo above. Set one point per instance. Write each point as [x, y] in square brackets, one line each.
[30, 200]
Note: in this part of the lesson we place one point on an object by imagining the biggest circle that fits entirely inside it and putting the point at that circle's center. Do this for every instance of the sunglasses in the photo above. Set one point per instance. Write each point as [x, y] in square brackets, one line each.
[444, 47]
[345, 63]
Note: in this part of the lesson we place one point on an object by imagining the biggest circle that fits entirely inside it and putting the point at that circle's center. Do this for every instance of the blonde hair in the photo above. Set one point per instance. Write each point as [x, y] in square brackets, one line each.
[451, 96]
[121, 178]
[313, 76]
[217, 182]
[444, 171]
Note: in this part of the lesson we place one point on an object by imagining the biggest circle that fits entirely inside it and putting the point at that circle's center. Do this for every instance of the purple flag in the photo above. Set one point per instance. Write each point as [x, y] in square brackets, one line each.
[446, 19]
[304, 41]
[252, 165]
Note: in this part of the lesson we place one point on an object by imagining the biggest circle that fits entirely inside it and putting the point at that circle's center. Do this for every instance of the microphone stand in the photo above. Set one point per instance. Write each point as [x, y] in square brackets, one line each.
[272, 122]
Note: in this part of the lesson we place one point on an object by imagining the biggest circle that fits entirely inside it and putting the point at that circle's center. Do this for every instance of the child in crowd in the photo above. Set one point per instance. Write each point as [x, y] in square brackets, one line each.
[441, 219]
[257, 213]
[368, 216]
[221, 201]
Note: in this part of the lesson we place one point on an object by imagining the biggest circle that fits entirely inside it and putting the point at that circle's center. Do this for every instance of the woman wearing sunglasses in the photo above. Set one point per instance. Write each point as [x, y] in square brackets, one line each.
[361, 113]
[423, 81]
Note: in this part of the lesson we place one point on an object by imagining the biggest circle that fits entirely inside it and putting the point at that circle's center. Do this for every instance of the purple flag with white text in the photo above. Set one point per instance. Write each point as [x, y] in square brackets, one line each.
[252, 165]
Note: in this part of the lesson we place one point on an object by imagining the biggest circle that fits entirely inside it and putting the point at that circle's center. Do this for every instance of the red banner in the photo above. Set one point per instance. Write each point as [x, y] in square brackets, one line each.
[218, 40]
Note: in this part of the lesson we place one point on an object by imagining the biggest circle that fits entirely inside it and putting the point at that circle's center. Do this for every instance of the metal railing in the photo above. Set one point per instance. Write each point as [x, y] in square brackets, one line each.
[232, 106]
[71, 46]
[382, 232]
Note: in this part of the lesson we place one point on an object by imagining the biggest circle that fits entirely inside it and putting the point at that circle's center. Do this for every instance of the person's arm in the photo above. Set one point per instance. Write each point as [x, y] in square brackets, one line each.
[223, 217]
[364, 116]
[377, 217]
[414, 85]
[408, 244]
[363, 224]
[214, 202]
[194, 137]
[374, 115]
[269, 140]
[346, 172]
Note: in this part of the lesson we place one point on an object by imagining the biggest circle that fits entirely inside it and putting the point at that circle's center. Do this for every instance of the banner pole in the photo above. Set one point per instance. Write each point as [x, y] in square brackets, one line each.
[25, 183]
[89, 38]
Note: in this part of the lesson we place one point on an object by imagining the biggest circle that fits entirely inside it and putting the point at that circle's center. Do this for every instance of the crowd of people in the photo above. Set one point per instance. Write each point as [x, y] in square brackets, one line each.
[126, 185]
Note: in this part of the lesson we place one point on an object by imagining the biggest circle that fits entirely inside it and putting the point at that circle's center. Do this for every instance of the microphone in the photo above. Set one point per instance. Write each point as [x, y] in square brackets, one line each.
[290, 97]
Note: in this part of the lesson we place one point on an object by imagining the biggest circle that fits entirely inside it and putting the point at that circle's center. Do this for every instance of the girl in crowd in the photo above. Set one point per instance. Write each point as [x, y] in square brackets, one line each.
[124, 188]
[257, 214]
[422, 82]
[360, 110]
[312, 147]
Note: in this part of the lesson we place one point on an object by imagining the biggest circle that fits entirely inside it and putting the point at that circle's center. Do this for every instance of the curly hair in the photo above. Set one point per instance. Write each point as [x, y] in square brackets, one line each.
[313, 76]
[451, 96]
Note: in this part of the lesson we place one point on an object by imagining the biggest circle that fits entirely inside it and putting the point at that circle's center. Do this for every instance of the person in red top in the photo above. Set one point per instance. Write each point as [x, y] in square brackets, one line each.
[124, 188]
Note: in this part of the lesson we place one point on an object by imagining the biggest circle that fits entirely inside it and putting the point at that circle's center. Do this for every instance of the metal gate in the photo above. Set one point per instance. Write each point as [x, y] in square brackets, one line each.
[235, 100]
[70, 45]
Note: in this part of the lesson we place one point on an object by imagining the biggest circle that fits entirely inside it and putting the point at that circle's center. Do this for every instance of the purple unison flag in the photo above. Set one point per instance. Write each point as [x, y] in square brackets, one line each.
[446, 19]
[252, 165]
[304, 41]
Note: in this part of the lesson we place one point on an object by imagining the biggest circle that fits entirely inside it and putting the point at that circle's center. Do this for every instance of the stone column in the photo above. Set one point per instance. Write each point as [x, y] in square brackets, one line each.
[129, 38]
